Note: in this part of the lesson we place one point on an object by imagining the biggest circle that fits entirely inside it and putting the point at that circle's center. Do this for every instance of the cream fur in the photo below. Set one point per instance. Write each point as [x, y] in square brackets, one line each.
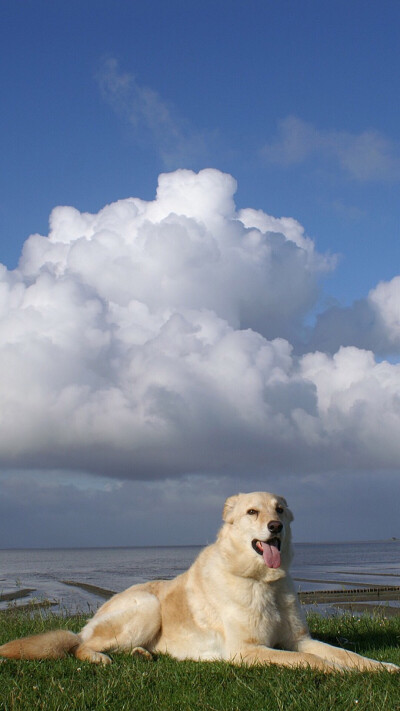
[229, 605]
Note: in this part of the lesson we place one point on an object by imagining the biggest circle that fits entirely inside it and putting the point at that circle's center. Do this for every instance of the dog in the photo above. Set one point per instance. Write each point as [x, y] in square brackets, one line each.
[235, 603]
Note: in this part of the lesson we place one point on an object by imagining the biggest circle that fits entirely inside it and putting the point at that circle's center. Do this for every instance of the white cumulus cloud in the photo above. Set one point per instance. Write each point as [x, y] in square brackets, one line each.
[153, 339]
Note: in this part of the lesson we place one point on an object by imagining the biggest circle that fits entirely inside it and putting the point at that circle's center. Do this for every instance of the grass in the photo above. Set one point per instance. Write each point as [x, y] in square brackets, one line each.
[166, 685]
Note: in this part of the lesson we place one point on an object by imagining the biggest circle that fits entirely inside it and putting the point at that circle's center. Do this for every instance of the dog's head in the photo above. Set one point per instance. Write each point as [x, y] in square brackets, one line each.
[257, 526]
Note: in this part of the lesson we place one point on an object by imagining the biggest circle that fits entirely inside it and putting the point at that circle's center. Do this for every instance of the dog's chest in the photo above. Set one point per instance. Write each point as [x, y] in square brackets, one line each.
[263, 616]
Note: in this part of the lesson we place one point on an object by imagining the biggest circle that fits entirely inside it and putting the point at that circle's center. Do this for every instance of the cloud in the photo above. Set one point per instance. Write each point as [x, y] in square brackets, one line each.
[36, 510]
[367, 156]
[372, 323]
[349, 212]
[358, 406]
[52, 509]
[153, 340]
[150, 117]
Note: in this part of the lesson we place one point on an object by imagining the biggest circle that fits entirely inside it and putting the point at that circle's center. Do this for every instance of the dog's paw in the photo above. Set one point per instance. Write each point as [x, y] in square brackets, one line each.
[99, 658]
[142, 652]
[393, 668]
[89, 655]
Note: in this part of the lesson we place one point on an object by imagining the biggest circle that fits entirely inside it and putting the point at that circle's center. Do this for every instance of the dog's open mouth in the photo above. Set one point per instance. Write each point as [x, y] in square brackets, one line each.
[270, 551]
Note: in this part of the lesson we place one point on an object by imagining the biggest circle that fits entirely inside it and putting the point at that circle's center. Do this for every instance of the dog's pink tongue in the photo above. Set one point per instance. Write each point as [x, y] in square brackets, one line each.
[271, 555]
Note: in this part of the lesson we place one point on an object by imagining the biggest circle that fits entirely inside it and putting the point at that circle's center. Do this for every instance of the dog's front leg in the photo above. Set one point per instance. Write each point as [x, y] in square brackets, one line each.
[259, 654]
[349, 660]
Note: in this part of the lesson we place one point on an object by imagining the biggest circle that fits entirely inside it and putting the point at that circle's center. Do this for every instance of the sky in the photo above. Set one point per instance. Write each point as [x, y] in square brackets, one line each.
[200, 268]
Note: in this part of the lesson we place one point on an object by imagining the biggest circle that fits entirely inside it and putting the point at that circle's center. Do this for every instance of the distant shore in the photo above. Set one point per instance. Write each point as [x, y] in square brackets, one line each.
[363, 598]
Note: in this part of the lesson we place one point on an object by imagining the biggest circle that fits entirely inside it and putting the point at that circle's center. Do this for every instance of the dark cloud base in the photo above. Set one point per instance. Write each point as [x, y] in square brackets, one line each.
[50, 513]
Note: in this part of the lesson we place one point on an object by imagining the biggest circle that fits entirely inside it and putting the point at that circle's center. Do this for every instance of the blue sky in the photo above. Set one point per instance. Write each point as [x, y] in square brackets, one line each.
[298, 102]
[229, 73]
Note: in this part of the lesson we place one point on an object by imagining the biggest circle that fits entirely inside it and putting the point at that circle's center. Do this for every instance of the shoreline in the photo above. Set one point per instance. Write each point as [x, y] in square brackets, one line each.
[364, 598]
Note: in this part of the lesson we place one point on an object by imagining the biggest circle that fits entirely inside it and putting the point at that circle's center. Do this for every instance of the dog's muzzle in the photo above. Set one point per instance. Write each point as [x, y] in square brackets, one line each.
[270, 549]
[258, 545]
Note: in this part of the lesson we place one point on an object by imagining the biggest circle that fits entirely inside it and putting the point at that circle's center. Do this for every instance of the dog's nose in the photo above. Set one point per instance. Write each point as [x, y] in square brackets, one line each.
[275, 526]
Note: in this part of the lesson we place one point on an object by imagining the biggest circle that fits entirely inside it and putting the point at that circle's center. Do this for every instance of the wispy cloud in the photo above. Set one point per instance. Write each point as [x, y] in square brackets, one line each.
[367, 156]
[151, 117]
[349, 212]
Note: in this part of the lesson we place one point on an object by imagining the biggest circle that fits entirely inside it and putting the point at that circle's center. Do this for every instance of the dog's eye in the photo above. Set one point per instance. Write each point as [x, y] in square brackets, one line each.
[279, 509]
[252, 512]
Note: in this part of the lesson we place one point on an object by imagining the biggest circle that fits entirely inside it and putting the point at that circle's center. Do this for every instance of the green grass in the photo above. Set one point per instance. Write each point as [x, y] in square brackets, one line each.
[166, 685]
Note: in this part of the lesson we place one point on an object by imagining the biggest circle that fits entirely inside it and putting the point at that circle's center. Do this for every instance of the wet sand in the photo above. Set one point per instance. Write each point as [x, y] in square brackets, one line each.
[363, 598]
[101, 592]
[16, 594]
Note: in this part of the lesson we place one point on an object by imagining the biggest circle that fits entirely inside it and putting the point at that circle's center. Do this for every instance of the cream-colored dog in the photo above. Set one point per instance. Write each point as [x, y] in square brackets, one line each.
[236, 602]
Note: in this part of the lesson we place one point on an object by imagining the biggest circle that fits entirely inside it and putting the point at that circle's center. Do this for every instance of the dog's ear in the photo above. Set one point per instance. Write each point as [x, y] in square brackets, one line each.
[289, 515]
[227, 513]
[288, 511]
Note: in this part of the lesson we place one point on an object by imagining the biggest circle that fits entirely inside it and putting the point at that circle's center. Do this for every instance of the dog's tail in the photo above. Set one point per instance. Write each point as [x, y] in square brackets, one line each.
[50, 645]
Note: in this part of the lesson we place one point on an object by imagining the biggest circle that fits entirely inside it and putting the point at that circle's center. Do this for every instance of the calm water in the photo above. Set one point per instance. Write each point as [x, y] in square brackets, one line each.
[117, 568]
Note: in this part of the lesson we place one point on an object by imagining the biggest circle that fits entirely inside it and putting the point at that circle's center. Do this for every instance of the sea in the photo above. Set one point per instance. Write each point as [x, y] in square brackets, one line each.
[56, 574]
